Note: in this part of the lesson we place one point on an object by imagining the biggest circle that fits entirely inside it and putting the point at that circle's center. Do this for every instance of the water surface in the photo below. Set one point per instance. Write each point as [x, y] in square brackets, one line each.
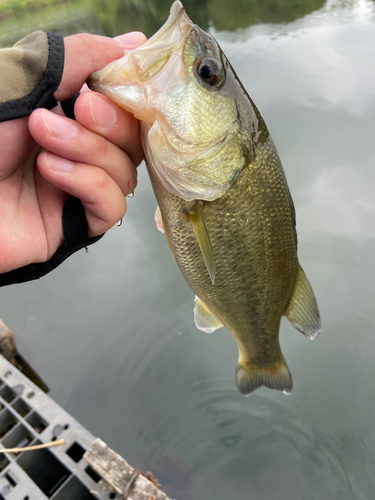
[112, 331]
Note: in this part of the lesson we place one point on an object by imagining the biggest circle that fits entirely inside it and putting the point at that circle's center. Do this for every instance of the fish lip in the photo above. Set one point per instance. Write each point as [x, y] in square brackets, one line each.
[170, 37]
[176, 12]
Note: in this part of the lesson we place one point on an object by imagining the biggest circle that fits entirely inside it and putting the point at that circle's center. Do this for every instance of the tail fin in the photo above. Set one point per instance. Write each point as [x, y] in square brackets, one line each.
[276, 376]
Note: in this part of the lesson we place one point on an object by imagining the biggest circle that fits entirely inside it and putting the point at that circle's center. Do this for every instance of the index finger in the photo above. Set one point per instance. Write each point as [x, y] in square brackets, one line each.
[85, 53]
[98, 114]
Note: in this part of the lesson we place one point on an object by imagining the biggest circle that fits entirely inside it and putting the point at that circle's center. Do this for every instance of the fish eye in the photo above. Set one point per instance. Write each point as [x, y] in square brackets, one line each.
[209, 71]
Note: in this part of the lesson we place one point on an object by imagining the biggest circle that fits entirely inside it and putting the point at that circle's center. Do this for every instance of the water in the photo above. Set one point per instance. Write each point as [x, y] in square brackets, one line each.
[112, 331]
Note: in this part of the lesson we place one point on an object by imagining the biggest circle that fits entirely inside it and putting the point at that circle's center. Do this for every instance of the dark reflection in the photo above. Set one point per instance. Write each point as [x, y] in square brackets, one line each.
[119, 16]
[225, 15]
[113, 17]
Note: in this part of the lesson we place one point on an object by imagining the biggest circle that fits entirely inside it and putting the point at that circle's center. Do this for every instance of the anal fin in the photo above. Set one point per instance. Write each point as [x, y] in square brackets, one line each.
[302, 310]
[204, 319]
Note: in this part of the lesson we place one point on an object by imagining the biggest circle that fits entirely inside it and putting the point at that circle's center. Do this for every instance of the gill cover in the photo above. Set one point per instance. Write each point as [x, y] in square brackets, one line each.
[176, 85]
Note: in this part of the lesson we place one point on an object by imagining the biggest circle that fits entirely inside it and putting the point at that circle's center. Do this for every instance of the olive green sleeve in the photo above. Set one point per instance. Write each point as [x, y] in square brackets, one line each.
[30, 73]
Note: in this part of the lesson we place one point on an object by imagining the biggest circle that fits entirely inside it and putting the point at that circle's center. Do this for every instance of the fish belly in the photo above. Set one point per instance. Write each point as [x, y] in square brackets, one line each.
[252, 232]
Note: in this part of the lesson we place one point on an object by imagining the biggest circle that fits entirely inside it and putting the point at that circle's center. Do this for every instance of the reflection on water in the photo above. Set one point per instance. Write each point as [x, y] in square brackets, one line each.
[343, 203]
[112, 331]
[114, 17]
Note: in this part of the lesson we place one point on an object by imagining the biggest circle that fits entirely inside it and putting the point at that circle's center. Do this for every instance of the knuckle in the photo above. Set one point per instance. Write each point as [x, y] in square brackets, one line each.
[102, 180]
[102, 148]
[113, 212]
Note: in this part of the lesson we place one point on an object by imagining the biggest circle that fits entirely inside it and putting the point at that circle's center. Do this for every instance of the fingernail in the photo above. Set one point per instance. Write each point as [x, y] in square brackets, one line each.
[131, 40]
[57, 163]
[58, 126]
[102, 113]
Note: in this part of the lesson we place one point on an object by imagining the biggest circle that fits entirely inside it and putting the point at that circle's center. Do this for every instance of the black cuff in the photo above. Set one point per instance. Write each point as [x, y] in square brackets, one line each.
[75, 237]
[75, 228]
[42, 95]
[68, 106]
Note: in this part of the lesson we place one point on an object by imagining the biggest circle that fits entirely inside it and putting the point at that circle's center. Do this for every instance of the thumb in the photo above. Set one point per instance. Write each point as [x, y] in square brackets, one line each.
[86, 53]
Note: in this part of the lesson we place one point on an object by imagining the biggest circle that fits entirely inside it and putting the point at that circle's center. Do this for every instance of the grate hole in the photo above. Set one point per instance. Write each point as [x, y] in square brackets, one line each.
[90, 471]
[75, 452]
[10, 480]
[37, 422]
[18, 438]
[44, 469]
[21, 407]
[7, 422]
[7, 394]
[4, 462]
[74, 490]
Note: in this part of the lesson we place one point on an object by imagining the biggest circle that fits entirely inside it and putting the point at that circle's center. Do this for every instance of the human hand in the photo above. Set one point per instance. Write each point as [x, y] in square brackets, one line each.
[45, 157]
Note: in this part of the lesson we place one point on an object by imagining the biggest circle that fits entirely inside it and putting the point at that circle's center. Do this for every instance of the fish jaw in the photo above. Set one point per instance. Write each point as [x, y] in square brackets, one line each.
[126, 81]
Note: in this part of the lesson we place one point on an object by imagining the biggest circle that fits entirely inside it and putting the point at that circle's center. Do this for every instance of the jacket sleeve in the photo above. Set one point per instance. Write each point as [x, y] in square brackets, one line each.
[30, 73]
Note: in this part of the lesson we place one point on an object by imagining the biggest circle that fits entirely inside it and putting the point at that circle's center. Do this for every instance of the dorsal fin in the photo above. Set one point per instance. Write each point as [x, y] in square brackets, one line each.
[302, 310]
[203, 238]
[203, 317]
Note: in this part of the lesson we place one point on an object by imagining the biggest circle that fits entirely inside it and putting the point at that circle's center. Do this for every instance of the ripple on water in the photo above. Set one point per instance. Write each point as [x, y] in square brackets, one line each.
[264, 444]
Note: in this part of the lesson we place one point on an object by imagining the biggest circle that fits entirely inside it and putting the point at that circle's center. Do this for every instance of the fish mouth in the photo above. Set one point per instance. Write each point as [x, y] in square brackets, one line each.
[125, 81]
[148, 59]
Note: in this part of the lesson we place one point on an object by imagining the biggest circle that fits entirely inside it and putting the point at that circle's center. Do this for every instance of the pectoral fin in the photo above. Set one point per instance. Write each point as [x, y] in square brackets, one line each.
[203, 238]
[159, 220]
[204, 319]
[163, 229]
[302, 310]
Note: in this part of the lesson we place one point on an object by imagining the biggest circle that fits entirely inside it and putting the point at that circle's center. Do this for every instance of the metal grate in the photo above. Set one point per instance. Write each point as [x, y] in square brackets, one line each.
[28, 417]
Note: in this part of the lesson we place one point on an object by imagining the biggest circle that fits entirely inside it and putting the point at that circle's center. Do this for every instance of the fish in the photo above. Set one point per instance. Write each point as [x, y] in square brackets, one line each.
[223, 199]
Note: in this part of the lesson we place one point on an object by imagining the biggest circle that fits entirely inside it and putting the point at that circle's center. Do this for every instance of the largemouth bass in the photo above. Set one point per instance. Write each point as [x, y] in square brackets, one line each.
[224, 202]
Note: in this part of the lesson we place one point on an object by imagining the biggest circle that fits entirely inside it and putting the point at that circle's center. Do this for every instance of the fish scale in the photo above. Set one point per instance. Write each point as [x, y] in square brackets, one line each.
[194, 130]
[247, 290]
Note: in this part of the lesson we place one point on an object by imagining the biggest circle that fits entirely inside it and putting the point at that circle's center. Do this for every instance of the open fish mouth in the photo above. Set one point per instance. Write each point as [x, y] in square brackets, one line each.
[141, 64]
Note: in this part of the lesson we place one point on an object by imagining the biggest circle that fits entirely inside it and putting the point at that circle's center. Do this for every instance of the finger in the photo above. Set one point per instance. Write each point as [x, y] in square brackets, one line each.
[17, 144]
[85, 53]
[68, 139]
[100, 115]
[102, 198]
